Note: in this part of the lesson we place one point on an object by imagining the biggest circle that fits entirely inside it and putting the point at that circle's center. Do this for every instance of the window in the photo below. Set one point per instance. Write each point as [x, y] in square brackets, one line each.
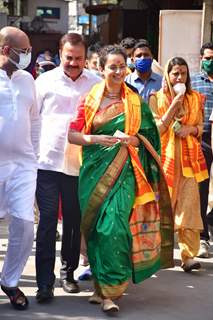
[48, 12]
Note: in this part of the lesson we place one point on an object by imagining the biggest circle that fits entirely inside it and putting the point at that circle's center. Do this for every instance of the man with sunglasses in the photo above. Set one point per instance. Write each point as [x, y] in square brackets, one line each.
[19, 137]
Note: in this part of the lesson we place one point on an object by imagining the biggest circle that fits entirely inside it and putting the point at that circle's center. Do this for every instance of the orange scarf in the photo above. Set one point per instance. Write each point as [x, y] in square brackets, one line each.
[192, 159]
[132, 109]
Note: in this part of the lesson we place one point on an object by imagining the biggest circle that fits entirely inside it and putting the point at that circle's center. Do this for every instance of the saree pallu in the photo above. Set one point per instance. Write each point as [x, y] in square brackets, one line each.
[122, 242]
[193, 163]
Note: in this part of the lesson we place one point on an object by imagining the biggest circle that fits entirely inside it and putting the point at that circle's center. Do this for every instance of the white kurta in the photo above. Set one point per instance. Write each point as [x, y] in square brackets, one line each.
[19, 138]
[57, 98]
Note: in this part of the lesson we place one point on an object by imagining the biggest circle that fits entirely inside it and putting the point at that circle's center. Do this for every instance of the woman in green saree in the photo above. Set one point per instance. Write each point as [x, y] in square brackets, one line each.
[126, 212]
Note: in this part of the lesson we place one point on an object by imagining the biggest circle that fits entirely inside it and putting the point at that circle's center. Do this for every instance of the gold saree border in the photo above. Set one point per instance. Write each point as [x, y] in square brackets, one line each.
[102, 189]
[113, 292]
[166, 213]
[107, 114]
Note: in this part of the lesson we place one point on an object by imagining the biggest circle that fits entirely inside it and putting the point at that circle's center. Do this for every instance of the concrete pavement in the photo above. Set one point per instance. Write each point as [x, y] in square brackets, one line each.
[169, 295]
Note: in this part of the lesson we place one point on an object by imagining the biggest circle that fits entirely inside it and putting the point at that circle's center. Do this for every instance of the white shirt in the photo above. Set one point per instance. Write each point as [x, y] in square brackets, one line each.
[58, 97]
[19, 122]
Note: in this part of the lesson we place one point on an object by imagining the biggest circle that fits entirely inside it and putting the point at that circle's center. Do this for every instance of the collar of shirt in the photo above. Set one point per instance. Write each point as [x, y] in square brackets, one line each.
[136, 77]
[3, 74]
[204, 75]
[62, 74]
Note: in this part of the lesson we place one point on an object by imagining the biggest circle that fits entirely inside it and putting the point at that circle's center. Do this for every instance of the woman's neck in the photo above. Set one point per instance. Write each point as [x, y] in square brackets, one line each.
[113, 89]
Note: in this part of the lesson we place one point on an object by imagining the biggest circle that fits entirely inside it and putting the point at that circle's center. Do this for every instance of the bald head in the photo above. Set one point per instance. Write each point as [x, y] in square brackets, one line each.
[14, 37]
[13, 43]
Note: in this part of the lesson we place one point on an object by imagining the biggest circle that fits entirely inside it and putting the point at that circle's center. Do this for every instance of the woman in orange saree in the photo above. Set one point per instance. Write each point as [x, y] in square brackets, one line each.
[178, 111]
[126, 212]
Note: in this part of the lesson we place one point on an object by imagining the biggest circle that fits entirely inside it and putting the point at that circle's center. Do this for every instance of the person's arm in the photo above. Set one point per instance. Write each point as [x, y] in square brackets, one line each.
[40, 93]
[75, 135]
[164, 122]
[35, 123]
[80, 138]
[186, 130]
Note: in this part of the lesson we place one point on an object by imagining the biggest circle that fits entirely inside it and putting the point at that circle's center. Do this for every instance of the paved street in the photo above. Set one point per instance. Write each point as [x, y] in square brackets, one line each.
[169, 295]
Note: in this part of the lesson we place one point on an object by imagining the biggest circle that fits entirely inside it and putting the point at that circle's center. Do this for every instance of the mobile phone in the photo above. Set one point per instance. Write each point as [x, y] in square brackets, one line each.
[176, 126]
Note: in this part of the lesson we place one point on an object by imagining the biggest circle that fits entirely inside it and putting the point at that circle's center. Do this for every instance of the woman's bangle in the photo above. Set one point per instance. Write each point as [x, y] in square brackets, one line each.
[197, 133]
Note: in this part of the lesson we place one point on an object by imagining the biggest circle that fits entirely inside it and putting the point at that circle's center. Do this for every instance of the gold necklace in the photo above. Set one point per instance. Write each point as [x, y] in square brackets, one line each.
[112, 95]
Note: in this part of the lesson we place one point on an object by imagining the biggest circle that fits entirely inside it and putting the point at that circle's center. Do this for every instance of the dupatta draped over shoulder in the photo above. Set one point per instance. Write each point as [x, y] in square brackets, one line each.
[192, 159]
[126, 211]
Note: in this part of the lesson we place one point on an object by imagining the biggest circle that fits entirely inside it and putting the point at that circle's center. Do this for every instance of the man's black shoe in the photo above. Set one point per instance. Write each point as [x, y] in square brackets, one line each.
[70, 286]
[44, 294]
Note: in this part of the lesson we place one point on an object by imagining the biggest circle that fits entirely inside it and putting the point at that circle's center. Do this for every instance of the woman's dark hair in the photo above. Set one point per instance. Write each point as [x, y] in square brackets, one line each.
[110, 49]
[74, 39]
[180, 62]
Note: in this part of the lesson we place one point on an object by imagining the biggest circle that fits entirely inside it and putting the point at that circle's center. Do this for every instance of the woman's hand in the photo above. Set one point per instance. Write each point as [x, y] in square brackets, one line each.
[104, 140]
[130, 140]
[178, 100]
[184, 131]
[109, 141]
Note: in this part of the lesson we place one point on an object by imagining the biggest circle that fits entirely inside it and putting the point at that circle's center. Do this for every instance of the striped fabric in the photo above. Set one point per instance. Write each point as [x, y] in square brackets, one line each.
[192, 159]
[202, 84]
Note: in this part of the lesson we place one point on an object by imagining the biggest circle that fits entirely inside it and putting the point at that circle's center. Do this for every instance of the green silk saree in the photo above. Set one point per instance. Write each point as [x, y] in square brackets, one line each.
[107, 189]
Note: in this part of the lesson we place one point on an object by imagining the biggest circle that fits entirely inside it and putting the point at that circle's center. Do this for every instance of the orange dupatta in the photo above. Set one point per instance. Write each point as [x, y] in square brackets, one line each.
[132, 109]
[192, 159]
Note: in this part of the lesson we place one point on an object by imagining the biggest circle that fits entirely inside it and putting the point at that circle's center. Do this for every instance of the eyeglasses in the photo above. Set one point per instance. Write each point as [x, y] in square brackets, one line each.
[117, 68]
[24, 50]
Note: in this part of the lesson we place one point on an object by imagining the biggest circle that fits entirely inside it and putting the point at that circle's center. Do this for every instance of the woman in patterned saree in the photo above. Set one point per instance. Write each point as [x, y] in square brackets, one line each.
[178, 111]
[126, 221]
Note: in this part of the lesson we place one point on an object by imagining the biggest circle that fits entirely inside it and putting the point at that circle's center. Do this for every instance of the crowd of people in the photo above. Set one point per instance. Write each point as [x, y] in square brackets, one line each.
[120, 147]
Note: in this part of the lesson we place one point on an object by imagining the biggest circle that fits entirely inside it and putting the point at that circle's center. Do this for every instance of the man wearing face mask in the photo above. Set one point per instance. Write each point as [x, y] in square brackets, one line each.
[19, 137]
[143, 78]
[203, 82]
[128, 45]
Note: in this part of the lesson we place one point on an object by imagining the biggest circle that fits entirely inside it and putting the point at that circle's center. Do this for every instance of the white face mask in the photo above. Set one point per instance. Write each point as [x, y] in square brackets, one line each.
[24, 59]
[129, 63]
[179, 88]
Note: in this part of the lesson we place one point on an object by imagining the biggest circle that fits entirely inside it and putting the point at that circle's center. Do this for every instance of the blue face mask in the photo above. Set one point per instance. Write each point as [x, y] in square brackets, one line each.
[143, 64]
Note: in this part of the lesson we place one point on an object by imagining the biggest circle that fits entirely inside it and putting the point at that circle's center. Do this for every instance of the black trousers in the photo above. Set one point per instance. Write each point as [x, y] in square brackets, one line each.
[50, 186]
[204, 186]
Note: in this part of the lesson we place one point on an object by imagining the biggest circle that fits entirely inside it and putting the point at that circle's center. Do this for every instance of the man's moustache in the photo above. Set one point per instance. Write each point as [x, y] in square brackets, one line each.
[73, 68]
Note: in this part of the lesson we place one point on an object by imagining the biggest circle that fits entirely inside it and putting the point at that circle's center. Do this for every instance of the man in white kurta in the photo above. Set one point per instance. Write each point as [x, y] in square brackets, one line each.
[19, 137]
